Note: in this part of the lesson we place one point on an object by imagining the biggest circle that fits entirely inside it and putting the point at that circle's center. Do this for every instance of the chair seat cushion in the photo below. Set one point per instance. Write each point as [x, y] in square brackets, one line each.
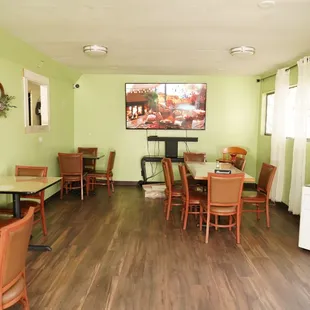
[216, 209]
[196, 197]
[253, 196]
[15, 291]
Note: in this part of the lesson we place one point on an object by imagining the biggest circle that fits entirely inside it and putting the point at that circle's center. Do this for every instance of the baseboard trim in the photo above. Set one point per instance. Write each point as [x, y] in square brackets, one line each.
[125, 183]
[121, 183]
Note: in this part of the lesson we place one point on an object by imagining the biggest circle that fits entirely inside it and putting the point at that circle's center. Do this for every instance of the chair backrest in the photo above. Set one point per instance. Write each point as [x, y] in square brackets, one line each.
[70, 163]
[190, 156]
[32, 171]
[265, 179]
[233, 151]
[111, 162]
[225, 190]
[171, 174]
[240, 163]
[167, 177]
[185, 190]
[13, 251]
[89, 164]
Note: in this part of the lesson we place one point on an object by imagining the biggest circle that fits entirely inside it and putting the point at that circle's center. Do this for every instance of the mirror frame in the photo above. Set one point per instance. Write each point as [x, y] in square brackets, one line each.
[41, 81]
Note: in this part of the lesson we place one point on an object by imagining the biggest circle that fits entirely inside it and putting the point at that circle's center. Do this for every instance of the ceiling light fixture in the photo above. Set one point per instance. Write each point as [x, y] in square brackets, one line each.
[266, 4]
[95, 50]
[242, 50]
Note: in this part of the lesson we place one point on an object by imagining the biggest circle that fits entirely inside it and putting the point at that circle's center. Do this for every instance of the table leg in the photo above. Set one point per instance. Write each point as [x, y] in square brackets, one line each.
[143, 171]
[16, 205]
[17, 213]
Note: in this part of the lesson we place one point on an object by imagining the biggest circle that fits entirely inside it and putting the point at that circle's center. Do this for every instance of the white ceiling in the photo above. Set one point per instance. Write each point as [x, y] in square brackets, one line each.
[163, 36]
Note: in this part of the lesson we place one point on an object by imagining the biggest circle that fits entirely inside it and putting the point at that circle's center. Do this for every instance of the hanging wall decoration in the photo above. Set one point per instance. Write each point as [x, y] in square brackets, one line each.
[5, 102]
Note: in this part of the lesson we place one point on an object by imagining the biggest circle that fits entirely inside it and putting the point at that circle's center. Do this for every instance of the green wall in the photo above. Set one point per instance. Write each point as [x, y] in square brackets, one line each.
[25, 149]
[99, 114]
[264, 142]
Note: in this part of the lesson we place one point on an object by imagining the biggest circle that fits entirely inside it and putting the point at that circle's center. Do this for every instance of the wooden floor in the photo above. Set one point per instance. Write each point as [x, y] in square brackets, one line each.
[120, 253]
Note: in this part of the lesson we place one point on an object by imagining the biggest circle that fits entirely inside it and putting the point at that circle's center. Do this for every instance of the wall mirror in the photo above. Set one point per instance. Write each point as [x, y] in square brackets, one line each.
[36, 102]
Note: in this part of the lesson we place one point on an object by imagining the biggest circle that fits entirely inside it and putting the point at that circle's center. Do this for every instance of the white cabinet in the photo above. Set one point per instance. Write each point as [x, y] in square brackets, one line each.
[304, 226]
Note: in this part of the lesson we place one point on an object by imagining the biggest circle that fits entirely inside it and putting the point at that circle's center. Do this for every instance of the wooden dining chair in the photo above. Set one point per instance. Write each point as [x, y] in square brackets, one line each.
[260, 197]
[14, 240]
[89, 165]
[173, 193]
[224, 199]
[230, 154]
[102, 177]
[33, 200]
[191, 156]
[178, 183]
[196, 157]
[191, 199]
[71, 171]
[239, 163]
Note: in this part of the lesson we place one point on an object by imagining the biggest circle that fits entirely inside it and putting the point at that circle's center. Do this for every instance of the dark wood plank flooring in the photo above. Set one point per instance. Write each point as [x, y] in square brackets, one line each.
[120, 253]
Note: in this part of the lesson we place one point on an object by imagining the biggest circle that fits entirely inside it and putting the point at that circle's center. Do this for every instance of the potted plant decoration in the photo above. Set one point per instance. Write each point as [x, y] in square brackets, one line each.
[5, 102]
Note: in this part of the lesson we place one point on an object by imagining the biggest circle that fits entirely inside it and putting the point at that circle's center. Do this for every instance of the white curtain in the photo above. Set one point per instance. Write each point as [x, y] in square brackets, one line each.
[300, 140]
[278, 137]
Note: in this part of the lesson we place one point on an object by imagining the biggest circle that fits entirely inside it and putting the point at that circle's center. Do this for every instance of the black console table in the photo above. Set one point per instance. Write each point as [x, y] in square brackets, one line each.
[171, 151]
[171, 144]
[154, 159]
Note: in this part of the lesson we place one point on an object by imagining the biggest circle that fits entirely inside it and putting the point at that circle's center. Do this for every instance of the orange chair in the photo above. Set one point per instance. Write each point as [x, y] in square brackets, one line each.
[178, 183]
[89, 165]
[34, 200]
[173, 193]
[230, 154]
[71, 171]
[171, 174]
[191, 199]
[191, 156]
[102, 177]
[224, 199]
[261, 195]
[198, 157]
[239, 163]
[14, 239]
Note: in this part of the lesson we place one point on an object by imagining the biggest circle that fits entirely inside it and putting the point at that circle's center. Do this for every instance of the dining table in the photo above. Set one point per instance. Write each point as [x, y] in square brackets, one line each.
[26, 185]
[200, 170]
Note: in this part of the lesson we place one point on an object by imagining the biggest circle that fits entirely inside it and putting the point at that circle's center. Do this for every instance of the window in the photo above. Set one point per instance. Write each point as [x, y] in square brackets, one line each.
[36, 97]
[290, 113]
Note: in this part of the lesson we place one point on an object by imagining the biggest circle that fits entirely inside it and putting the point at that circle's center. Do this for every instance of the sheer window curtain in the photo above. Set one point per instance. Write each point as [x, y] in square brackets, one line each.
[300, 140]
[278, 137]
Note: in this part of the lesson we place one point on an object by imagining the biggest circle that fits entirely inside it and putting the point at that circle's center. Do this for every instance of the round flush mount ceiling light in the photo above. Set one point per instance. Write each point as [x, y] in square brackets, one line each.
[242, 50]
[266, 4]
[95, 50]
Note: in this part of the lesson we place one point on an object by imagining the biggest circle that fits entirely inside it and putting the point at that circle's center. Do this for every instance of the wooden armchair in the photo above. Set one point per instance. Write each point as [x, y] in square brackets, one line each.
[14, 242]
[230, 154]
[71, 171]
